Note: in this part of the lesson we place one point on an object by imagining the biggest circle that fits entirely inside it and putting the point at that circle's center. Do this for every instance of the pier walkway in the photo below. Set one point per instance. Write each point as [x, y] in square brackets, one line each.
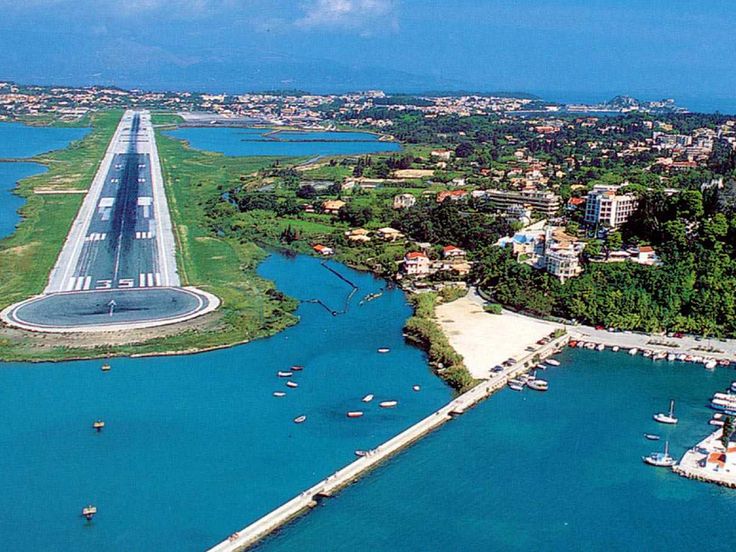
[328, 487]
[707, 461]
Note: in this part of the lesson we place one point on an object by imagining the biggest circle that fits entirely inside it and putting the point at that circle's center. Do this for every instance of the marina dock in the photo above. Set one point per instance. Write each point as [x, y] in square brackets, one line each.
[328, 487]
[708, 462]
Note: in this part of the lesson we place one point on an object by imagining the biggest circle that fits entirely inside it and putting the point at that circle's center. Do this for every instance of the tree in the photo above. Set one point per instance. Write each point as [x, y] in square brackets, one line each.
[465, 149]
[614, 241]
[306, 192]
[728, 429]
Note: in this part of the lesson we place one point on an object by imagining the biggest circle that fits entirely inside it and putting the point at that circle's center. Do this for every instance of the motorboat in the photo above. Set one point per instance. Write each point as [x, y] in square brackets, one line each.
[671, 357]
[367, 398]
[580, 344]
[633, 351]
[668, 418]
[552, 362]
[572, 343]
[711, 364]
[384, 350]
[297, 368]
[105, 367]
[300, 419]
[615, 348]
[538, 384]
[600, 347]
[416, 388]
[388, 404]
[660, 459]
[292, 384]
[89, 512]
[651, 437]
[733, 386]
[98, 425]
[516, 385]
[283, 374]
[355, 414]
[361, 453]
[279, 394]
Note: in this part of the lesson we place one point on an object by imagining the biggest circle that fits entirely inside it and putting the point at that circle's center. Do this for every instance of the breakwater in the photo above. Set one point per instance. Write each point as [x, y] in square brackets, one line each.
[310, 497]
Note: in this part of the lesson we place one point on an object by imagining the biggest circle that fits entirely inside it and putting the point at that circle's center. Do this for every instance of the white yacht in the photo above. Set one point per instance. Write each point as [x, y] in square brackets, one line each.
[668, 418]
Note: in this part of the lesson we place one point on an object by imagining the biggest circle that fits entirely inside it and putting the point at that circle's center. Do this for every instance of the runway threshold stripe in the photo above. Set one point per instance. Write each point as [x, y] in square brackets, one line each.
[87, 282]
[79, 284]
[70, 284]
[142, 280]
[158, 279]
[150, 280]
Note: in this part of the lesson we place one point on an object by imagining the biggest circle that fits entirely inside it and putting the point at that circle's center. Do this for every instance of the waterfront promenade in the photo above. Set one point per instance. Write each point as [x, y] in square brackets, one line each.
[310, 497]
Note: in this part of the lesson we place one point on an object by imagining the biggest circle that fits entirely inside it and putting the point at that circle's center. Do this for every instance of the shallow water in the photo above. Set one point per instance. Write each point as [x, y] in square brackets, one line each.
[543, 471]
[196, 446]
[256, 141]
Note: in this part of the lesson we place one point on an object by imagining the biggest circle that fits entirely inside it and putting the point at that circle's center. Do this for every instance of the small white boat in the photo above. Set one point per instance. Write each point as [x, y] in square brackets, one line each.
[416, 388]
[300, 419]
[284, 374]
[711, 364]
[580, 344]
[279, 394]
[89, 512]
[716, 422]
[615, 348]
[633, 351]
[647, 354]
[681, 357]
[105, 367]
[361, 453]
[297, 368]
[388, 404]
[660, 459]
[355, 414]
[552, 362]
[538, 384]
[292, 384]
[651, 437]
[590, 346]
[733, 386]
[600, 347]
[668, 418]
[98, 425]
[367, 398]
[516, 385]
[384, 350]
[671, 357]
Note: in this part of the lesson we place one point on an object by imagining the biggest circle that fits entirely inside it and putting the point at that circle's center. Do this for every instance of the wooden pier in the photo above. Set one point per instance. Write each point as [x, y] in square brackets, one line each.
[328, 487]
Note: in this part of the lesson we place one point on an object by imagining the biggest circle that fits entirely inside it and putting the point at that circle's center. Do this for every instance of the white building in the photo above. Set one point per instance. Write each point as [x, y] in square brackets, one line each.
[417, 264]
[606, 206]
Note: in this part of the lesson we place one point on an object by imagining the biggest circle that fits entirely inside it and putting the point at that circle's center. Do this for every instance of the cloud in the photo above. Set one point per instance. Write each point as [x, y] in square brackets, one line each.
[367, 16]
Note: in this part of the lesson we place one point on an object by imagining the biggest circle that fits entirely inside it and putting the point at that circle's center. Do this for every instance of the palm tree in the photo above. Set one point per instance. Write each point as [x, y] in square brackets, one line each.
[728, 429]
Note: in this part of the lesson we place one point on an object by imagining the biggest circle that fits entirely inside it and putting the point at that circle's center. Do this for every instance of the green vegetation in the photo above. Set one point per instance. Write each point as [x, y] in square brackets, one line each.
[27, 256]
[423, 330]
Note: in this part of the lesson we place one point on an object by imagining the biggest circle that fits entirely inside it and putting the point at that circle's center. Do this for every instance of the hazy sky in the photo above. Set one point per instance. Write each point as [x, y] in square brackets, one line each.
[590, 47]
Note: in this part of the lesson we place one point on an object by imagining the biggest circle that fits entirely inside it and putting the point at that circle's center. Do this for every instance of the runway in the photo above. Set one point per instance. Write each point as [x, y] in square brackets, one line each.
[121, 241]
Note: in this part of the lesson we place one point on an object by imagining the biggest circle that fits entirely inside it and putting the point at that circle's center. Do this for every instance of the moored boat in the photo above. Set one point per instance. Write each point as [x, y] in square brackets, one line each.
[615, 348]
[572, 343]
[651, 437]
[388, 404]
[416, 388]
[98, 425]
[105, 367]
[361, 453]
[292, 384]
[600, 347]
[279, 394]
[660, 459]
[538, 384]
[668, 418]
[384, 350]
[367, 398]
[300, 419]
[283, 374]
[711, 364]
[355, 414]
[552, 362]
[633, 351]
[516, 385]
[671, 357]
[297, 368]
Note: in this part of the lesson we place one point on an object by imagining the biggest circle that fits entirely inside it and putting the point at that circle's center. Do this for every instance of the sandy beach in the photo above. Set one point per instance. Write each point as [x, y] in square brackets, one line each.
[486, 340]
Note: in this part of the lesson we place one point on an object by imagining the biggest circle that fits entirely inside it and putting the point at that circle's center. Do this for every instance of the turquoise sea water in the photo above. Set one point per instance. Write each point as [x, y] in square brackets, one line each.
[257, 141]
[196, 447]
[542, 471]
[19, 141]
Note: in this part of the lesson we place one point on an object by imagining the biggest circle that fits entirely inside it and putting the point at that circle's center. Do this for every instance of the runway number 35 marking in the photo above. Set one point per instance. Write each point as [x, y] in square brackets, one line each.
[103, 284]
[126, 283]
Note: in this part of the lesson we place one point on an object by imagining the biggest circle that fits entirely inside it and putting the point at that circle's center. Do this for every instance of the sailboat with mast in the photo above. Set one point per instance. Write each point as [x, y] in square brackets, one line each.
[660, 459]
[668, 418]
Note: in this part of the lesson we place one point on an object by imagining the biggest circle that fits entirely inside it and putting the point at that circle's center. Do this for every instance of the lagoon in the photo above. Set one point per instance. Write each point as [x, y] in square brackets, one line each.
[19, 141]
[542, 471]
[265, 142]
[195, 447]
